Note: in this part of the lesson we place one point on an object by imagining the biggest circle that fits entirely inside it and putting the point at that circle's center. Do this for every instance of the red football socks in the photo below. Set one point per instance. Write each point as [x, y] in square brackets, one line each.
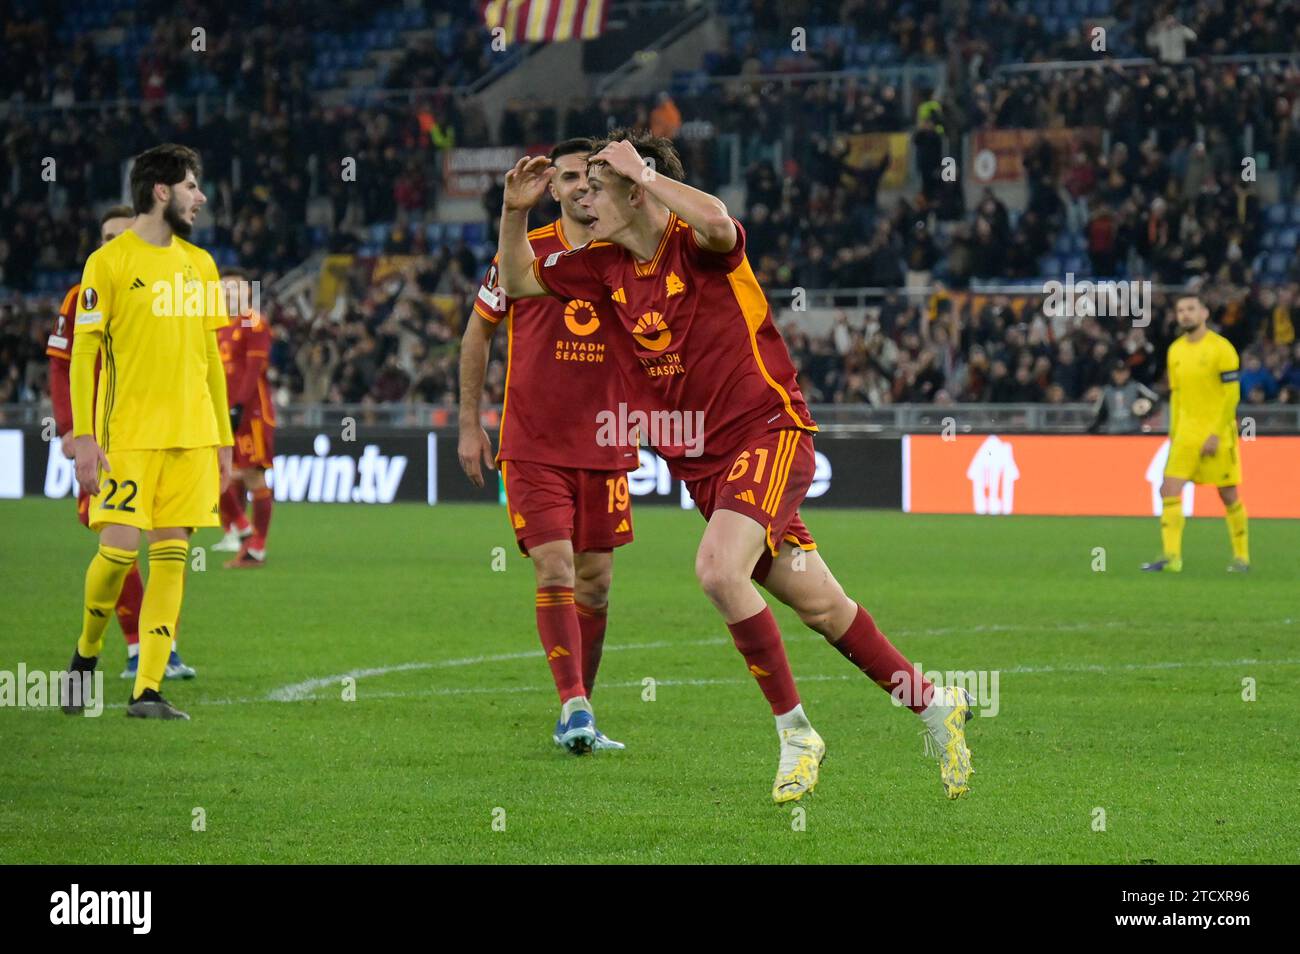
[262, 501]
[557, 625]
[591, 624]
[864, 645]
[759, 641]
[128, 605]
[232, 507]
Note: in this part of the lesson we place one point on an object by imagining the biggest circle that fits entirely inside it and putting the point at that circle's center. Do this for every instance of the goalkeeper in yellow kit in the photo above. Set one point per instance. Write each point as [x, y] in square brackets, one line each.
[1204, 388]
[154, 450]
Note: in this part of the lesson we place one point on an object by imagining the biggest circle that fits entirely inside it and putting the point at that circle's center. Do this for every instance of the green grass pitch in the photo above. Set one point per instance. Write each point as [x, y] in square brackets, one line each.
[1118, 691]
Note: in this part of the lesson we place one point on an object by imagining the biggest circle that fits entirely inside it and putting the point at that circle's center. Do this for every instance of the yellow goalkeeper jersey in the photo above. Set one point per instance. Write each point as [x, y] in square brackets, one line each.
[1205, 387]
[156, 307]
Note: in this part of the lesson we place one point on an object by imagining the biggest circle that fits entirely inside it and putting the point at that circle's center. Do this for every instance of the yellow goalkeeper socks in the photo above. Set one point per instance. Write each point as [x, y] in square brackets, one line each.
[104, 577]
[159, 610]
[1238, 531]
[1171, 527]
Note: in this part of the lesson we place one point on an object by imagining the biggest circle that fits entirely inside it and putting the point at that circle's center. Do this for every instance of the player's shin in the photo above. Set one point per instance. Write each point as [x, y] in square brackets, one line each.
[262, 504]
[759, 640]
[1171, 527]
[864, 645]
[160, 610]
[557, 625]
[232, 507]
[128, 610]
[104, 578]
[1238, 530]
[591, 625]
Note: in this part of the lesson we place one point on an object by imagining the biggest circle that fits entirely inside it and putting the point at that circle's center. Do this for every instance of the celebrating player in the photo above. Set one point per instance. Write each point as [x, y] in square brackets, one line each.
[567, 496]
[670, 261]
[1204, 391]
[245, 346]
[153, 451]
[59, 349]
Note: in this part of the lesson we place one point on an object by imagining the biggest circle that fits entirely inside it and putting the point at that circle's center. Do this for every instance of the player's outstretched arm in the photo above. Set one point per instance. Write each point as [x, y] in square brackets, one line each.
[81, 382]
[525, 184]
[474, 445]
[705, 213]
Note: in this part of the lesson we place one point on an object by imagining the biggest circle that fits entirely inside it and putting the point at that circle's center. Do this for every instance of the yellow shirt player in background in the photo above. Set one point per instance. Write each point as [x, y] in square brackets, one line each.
[1203, 370]
[154, 452]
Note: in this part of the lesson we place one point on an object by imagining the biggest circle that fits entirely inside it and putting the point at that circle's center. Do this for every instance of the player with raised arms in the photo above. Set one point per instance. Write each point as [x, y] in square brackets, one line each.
[566, 493]
[670, 261]
[153, 450]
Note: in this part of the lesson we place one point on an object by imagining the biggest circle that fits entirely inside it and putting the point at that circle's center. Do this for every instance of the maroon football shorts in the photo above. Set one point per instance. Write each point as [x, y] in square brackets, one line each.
[767, 481]
[590, 507]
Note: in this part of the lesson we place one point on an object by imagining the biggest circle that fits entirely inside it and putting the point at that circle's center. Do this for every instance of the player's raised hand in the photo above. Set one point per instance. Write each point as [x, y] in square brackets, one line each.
[623, 158]
[90, 461]
[526, 182]
[474, 445]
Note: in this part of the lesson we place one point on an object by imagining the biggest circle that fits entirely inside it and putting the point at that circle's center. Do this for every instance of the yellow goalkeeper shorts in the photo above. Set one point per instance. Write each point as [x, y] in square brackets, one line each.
[1222, 469]
[156, 489]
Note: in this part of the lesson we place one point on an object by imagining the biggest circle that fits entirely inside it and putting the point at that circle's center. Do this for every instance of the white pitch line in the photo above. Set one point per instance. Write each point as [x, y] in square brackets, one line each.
[1091, 668]
[839, 677]
[304, 690]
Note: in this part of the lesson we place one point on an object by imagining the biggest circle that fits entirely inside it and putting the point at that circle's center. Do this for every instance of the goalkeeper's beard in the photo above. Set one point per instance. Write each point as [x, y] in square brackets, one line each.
[178, 225]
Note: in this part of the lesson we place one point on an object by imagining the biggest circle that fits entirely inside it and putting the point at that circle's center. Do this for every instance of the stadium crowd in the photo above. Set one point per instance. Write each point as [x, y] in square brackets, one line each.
[1166, 201]
[383, 342]
[1006, 351]
[981, 35]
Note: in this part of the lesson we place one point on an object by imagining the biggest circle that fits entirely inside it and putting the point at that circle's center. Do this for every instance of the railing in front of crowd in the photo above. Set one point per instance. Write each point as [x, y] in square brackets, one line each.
[904, 75]
[1075, 418]
[833, 419]
[1145, 62]
[234, 104]
[794, 300]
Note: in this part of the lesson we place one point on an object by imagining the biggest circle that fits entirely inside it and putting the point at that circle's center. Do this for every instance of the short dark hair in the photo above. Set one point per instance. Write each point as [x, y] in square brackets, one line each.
[116, 212]
[571, 146]
[167, 164]
[661, 151]
[1200, 298]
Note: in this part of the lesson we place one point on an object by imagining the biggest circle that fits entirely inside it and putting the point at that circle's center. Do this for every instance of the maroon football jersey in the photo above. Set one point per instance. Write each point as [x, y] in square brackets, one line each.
[245, 348]
[561, 382]
[702, 333]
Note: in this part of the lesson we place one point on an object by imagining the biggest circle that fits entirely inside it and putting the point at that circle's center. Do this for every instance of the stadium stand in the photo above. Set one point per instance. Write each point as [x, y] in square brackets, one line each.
[1133, 171]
